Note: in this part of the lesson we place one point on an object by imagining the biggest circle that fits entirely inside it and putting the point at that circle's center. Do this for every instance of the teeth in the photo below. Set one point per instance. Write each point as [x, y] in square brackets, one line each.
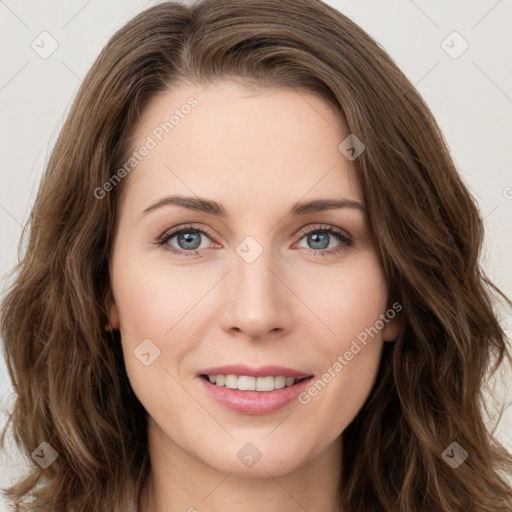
[246, 383]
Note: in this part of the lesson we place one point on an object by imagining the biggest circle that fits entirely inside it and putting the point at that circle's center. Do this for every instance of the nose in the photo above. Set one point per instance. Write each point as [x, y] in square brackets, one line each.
[258, 301]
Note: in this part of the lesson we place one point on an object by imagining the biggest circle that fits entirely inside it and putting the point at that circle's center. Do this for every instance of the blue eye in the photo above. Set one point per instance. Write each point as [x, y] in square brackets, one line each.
[319, 236]
[188, 240]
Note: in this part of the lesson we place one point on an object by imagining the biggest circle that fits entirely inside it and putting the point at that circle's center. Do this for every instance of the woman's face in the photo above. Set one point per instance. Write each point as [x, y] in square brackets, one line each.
[248, 282]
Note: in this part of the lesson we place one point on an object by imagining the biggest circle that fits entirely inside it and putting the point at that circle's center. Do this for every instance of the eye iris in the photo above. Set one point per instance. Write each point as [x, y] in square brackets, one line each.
[189, 238]
[316, 238]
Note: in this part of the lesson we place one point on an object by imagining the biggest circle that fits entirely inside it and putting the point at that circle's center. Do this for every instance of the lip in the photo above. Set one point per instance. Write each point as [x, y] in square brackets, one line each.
[262, 371]
[254, 402]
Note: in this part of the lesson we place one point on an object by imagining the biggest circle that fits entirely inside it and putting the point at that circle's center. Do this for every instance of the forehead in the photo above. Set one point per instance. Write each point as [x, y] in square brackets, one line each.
[245, 144]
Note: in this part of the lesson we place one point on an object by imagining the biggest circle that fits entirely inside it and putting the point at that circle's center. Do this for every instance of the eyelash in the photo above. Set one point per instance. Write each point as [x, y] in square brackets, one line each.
[345, 240]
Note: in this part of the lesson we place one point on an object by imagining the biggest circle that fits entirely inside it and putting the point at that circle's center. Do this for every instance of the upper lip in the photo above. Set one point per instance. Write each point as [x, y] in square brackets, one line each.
[262, 371]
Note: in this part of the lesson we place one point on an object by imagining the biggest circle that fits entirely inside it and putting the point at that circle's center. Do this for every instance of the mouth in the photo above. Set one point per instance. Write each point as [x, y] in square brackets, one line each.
[269, 396]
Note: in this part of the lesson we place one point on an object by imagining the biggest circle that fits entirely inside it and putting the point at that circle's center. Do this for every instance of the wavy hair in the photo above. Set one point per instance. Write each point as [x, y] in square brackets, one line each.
[69, 378]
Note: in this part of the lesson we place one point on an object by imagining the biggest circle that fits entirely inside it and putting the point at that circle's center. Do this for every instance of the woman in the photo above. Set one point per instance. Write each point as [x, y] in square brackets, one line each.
[247, 200]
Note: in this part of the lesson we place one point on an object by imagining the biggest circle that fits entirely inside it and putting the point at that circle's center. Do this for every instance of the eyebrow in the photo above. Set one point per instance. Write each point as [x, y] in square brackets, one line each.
[213, 208]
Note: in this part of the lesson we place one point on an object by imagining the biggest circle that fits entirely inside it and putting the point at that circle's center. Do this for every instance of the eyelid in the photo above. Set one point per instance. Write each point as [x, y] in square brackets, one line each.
[178, 229]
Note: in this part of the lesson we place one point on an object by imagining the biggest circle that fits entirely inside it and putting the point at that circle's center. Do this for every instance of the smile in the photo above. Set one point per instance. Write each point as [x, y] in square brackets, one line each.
[249, 401]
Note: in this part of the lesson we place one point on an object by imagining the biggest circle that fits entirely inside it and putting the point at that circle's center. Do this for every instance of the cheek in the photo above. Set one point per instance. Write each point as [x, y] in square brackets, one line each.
[153, 297]
[159, 309]
[350, 304]
[347, 300]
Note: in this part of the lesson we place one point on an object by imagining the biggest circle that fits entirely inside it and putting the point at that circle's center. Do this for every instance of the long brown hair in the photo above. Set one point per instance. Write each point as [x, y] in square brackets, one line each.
[71, 386]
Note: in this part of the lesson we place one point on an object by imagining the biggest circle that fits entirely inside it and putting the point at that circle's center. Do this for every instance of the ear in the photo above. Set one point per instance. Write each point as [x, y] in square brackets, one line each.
[394, 324]
[112, 313]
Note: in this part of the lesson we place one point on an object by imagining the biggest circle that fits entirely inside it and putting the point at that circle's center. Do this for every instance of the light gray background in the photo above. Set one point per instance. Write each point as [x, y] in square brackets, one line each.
[470, 96]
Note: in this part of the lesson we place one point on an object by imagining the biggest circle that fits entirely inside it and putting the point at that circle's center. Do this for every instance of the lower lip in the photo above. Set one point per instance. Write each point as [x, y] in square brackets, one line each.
[254, 402]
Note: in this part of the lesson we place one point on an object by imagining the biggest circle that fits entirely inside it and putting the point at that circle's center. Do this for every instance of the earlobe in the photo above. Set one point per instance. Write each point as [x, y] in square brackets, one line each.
[392, 329]
[112, 313]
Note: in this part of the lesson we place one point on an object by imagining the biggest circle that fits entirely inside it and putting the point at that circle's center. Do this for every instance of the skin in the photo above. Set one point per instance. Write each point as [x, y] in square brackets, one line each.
[256, 153]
